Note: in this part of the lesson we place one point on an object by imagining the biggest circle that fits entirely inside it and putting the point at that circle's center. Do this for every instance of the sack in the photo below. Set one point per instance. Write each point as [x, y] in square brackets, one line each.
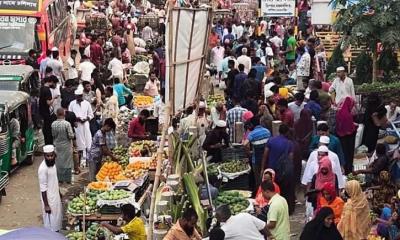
[285, 166]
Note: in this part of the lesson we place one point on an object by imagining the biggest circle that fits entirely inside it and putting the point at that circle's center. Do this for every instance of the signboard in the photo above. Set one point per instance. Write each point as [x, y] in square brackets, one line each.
[278, 8]
[20, 5]
[15, 22]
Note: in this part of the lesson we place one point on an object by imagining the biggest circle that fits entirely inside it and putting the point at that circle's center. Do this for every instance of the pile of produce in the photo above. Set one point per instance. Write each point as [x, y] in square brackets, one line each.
[95, 231]
[212, 100]
[350, 177]
[124, 117]
[233, 166]
[142, 148]
[121, 153]
[212, 169]
[136, 169]
[115, 195]
[109, 171]
[76, 205]
[139, 58]
[99, 186]
[75, 236]
[143, 101]
[236, 201]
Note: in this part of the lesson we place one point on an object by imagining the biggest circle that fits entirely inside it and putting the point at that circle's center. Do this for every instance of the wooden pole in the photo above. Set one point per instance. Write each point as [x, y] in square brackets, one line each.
[84, 213]
[158, 172]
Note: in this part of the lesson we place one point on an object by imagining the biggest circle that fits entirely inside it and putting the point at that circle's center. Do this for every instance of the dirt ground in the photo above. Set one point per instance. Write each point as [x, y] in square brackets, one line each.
[21, 207]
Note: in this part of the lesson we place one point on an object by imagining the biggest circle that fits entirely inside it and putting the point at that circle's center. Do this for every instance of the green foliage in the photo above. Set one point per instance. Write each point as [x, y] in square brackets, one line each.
[363, 68]
[387, 91]
[369, 28]
[388, 62]
[335, 61]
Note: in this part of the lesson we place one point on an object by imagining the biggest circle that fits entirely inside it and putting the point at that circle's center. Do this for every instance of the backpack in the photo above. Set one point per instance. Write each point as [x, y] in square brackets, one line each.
[285, 166]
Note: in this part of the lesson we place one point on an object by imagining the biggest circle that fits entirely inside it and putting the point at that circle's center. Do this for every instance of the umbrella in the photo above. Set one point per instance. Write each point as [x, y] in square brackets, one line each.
[32, 233]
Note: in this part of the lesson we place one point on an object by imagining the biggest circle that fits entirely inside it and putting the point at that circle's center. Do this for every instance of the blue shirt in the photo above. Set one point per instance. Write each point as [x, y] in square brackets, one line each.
[121, 90]
[258, 139]
[237, 84]
[315, 109]
[277, 146]
[260, 68]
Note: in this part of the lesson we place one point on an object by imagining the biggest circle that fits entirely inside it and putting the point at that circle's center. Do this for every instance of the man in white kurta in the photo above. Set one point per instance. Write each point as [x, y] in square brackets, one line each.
[312, 166]
[50, 192]
[84, 113]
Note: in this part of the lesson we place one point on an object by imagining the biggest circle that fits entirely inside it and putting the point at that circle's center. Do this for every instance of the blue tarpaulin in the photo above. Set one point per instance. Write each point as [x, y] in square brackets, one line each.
[32, 233]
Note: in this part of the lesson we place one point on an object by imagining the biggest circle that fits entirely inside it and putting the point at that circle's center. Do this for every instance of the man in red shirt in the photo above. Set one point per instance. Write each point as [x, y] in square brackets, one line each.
[284, 113]
[137, 127]
[96, 52]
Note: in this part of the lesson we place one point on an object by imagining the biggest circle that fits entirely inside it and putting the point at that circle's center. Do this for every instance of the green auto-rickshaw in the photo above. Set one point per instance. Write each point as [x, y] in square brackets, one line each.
[16, 77]
[15, 103]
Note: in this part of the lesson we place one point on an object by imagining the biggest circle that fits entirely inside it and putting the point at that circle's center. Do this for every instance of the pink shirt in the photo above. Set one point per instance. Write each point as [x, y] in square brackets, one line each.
[151, 88]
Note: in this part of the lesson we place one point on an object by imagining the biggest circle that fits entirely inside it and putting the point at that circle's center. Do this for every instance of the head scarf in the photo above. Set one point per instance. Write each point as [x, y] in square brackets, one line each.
[344, 117]
[355, 223]
[316, 229]
[330, 188]
[269, 170]
[304, 125]
[321, 179]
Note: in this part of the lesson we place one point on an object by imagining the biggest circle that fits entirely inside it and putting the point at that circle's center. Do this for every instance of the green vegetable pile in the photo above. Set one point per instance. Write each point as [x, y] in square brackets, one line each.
[75, 236]
[234, 166]
[236, 201]
[212, 169]
[76, 205]
[95, 232]
[350, 177]
[121, 153]
[114, 195]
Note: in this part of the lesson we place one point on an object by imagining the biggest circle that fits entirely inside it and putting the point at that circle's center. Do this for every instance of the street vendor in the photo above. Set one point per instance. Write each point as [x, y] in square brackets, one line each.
[137, 127]
[134, 227]
[99, 148]
[185, 227]
[152, 85]
[213, 142]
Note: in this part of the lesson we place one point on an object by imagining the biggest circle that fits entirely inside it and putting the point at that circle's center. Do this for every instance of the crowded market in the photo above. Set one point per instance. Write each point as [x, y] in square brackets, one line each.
[196, 119]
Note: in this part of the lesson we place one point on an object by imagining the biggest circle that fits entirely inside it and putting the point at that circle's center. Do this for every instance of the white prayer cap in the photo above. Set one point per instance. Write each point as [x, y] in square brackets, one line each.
[321, 122]
[221, 123]
[54, 49]
[324, 139]
[202, 105]
[340, 69]
[78, 91]
[48, 149]
[269, 93]
[323, 149]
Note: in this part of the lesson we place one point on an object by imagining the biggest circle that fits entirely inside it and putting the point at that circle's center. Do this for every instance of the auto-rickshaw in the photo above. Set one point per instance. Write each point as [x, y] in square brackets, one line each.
[15, 104]
[16, 77]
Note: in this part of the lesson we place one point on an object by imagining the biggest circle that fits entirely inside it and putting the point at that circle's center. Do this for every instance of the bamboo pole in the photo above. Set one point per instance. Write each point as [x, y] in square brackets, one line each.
[158, 172]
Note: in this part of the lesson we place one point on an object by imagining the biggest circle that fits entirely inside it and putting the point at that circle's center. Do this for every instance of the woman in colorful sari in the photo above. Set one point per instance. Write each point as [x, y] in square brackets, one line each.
[330, 199]
[355, 223]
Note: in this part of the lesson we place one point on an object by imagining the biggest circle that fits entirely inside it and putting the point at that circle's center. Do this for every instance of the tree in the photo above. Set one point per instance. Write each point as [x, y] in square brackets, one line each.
[336, 60]
[370, 23]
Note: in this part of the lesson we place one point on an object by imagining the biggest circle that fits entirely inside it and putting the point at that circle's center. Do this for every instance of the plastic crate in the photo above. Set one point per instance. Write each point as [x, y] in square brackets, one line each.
[234, 153]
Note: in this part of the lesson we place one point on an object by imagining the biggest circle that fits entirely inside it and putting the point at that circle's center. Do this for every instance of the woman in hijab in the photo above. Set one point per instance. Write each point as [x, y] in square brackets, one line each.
[324, 175]
[322, 227]
[261, 204]
[303, 129]
[330, 199]
[355, 223]
[346, 130]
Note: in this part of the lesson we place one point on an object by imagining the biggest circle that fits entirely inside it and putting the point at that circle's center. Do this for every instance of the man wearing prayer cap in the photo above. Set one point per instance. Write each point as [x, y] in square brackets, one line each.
[341, 87]
[50, 192]
[216, 140]
[84, 113]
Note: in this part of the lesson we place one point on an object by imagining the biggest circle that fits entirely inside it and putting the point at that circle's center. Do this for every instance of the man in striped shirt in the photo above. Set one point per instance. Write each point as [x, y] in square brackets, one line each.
[233, 116]
[257, 139]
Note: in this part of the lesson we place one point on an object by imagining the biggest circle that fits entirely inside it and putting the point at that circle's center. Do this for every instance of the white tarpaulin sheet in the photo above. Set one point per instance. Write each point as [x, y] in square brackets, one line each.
[321, 12]
[186, 43]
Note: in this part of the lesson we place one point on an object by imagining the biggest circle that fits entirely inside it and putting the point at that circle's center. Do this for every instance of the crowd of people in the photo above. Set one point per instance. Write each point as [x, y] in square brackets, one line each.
[77, 101]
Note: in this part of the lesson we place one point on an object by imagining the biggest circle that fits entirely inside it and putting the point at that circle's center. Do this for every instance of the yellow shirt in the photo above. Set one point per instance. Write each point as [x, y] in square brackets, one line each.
[135, 229]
